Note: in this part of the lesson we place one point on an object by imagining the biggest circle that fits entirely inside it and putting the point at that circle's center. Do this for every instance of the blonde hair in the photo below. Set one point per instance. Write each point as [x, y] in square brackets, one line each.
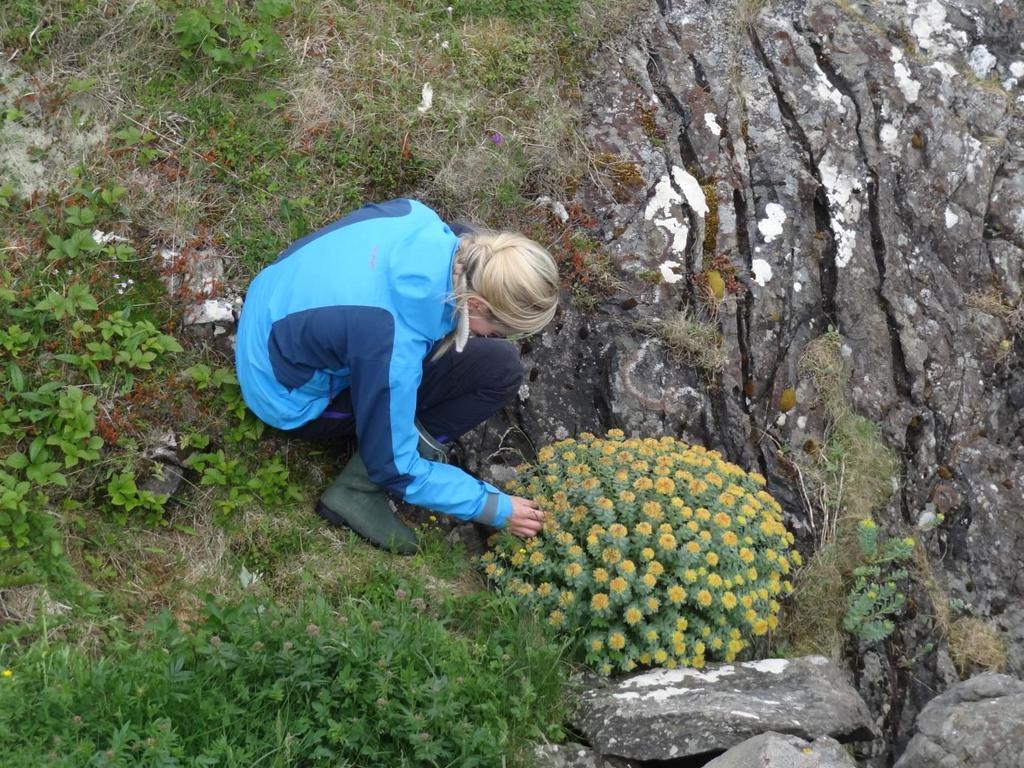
[514, 277]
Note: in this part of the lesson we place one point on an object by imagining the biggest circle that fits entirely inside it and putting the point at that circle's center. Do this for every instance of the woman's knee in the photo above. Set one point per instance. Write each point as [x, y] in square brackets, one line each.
[503, 366]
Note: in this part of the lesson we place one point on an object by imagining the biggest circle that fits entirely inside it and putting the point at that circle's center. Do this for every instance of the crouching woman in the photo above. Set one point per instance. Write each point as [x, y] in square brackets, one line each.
[389, 326]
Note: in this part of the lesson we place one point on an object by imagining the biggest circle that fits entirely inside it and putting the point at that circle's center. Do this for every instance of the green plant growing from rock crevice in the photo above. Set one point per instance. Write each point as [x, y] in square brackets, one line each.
[877, 596]
[843, 482]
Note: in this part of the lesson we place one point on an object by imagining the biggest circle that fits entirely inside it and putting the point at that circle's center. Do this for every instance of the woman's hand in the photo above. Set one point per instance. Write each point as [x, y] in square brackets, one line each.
[526, 520]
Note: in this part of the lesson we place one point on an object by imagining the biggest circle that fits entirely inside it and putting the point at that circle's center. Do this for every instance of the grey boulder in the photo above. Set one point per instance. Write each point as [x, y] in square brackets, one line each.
[667, 714]
[775, 750]
[568, 756]
[978, 723]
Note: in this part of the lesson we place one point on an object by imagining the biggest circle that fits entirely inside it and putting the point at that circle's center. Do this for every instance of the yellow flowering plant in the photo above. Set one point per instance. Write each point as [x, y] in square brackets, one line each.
[654, 552]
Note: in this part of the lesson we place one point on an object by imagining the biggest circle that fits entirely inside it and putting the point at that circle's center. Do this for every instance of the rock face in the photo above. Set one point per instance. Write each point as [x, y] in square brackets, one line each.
[668, 714]
[858, 165]
[977, 724]
[773, 750]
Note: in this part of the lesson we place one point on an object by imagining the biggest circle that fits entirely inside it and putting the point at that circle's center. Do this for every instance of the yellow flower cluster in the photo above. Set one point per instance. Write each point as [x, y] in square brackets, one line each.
[654, 552]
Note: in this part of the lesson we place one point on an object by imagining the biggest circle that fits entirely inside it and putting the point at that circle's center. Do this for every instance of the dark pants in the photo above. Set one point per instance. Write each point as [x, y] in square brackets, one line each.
[458, 391]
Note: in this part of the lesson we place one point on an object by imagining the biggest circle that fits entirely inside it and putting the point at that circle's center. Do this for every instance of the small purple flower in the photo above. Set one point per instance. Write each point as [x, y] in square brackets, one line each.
[497, 138]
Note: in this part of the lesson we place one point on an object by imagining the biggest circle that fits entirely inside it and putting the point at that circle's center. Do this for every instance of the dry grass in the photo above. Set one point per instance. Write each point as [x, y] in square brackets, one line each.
[996, 304]
[748, 11]
[811, 622]
[975, 644]
[822, 360]
[149, 570]
[694, 342]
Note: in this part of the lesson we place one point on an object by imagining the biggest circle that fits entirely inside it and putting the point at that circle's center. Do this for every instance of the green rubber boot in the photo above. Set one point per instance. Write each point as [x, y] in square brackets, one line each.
[353, 500]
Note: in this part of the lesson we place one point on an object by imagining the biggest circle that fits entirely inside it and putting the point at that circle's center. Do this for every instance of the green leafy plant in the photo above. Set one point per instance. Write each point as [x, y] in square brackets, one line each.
[127, 498]
[138, 142]
[78, 244]
[876, 595]
[29, 543]
[240, 485]
[229, 401]
[126, 345]
[654, 552]
[73, 427]
[388, 679]
[229, 37]
[16, 340]
[76, 297]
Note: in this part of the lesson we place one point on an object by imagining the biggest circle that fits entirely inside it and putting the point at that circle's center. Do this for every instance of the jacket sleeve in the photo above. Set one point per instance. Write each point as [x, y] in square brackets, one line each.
[384, 388]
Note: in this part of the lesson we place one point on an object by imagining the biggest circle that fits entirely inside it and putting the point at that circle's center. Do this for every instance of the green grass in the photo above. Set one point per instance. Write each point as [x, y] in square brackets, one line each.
[331, 117]
[379, 680]
[240, 127]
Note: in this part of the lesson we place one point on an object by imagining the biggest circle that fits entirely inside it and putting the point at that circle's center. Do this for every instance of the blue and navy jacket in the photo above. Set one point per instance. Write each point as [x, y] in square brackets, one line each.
[358, 305]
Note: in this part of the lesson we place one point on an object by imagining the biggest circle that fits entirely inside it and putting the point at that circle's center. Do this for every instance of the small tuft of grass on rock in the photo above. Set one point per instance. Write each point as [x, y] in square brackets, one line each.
[694, 342]
[975, 644]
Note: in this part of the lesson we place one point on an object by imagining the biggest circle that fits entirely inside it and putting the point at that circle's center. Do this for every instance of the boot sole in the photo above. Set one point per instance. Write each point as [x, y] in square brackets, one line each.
[335, 519]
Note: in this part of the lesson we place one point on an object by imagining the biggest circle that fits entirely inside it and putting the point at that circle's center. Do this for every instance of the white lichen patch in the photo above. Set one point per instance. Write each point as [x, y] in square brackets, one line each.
[843, 206]
[951, 218]
[426, 98]
[981, 61]
[711, 120]
[691, 191]
[1017, 69]
[888, 135]
[974, 156]
[771, 226]
[749, 715]
[677, 232]
[907, 84]
[659, 210]
[797, 287]
[930, 28]
[555, 206]
[658, 678]
[669, 273]
[762, 271]
[666, 195]
[947, 71]
[771, 666]
[661, 202]
[103, 238]
[36, 153]
[827, 93]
